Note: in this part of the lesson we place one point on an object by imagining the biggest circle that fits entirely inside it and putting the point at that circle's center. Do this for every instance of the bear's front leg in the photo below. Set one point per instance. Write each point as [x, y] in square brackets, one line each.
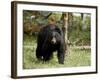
[61, 54]
[38, 53]
[61, 58]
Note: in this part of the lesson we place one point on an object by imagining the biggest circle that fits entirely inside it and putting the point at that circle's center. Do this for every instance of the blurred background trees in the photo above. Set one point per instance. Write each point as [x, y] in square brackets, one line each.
[76, 25]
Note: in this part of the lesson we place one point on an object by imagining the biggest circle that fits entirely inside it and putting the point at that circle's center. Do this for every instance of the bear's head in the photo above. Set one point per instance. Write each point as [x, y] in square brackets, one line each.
[55, 37]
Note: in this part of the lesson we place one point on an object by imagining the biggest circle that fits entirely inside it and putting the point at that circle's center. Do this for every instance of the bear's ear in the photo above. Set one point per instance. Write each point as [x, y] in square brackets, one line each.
[53, 40]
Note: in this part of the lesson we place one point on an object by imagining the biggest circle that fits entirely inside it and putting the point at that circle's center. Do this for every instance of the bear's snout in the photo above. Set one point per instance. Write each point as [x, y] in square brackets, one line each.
[53, 40]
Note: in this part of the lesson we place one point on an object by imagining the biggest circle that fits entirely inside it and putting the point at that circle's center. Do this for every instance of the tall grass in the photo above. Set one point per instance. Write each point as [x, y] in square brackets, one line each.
[74, 58]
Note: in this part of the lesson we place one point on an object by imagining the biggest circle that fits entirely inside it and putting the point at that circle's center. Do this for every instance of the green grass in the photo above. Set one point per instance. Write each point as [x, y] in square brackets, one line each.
[75, 57]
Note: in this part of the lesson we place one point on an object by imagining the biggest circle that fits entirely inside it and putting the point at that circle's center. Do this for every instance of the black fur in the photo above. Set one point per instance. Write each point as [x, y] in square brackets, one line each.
[46, 46]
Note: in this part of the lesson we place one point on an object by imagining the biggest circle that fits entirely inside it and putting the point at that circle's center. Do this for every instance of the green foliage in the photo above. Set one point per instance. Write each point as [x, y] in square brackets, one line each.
[40, 16]
[76, 34]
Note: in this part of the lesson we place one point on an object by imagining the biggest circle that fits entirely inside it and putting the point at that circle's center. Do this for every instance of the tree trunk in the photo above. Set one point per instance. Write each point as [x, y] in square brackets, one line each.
[83, 21]
[65, 29]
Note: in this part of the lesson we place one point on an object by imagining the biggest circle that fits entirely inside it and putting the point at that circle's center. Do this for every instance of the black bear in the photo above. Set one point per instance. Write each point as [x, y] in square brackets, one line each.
[50, 39]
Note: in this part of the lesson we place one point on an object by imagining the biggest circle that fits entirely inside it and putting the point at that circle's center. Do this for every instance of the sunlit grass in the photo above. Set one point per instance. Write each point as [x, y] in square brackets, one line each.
[74, 58]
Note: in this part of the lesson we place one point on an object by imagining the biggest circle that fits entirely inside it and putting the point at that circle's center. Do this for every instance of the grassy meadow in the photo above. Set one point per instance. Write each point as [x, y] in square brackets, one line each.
[74, 57]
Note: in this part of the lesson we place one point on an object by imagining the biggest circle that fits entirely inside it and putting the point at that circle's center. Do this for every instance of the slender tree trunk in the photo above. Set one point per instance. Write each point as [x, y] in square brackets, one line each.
[83, 21]
[83, 24]
[65, 28]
